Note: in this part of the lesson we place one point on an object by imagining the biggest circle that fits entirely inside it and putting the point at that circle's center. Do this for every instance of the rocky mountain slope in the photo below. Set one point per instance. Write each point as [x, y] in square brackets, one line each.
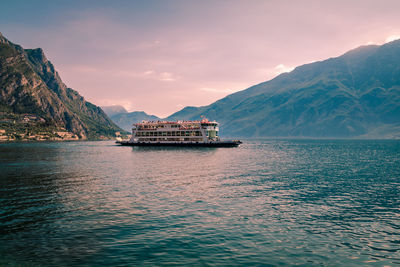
[125, 119]
[354, 95]
[35, 103]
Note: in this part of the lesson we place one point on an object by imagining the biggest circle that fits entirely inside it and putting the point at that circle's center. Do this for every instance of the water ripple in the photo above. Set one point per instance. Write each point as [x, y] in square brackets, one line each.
[268, 202]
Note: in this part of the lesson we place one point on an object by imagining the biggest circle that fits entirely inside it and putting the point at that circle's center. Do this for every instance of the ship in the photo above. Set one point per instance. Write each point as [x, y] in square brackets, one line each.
[202, 133]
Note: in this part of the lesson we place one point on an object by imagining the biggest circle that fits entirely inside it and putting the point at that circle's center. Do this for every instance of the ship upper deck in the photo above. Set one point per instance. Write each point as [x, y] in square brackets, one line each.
[183, 123]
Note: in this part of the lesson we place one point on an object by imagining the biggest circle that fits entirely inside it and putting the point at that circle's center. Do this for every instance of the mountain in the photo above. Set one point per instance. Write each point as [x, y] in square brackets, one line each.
[112, 110]
[353, 95]
[36, 104]
[125, 119]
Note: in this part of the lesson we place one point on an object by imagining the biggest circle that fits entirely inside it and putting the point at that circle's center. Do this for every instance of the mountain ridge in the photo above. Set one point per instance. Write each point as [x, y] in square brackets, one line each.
[337, 97]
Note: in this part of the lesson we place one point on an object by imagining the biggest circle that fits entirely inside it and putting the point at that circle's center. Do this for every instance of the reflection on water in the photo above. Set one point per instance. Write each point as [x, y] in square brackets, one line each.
[279, 202]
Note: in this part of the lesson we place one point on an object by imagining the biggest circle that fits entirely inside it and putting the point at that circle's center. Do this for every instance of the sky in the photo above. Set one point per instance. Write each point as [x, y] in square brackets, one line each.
[160, 56]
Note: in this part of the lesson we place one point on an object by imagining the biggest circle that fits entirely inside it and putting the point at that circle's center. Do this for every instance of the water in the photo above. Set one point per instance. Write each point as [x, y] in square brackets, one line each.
[268, 202]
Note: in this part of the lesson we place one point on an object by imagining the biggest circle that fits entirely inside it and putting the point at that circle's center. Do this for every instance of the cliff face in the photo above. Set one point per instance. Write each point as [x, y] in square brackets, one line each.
[30, 87]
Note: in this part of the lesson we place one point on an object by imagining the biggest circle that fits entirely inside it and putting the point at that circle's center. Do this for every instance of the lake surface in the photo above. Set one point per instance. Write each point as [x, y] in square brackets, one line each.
[268, 202]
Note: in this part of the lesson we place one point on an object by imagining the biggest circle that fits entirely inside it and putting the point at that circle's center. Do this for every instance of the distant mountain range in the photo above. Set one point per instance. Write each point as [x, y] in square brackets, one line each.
[125, 119]
[356, 95]
[353, 95]
[36, 105]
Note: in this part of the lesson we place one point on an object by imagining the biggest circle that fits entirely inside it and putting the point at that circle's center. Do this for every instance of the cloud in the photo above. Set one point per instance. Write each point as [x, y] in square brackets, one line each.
[148, 72]
[388, 39]
[281, 68]
[392, 38]
[167, 77]
[128, 105]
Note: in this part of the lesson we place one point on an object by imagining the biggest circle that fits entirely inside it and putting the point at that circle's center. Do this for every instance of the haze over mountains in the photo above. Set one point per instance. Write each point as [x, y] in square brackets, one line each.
[354, 95]
[112, 110]
[36, 105]
[125, 119]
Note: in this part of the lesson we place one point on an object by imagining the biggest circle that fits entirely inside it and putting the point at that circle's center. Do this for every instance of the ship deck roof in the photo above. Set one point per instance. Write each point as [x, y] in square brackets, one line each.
[174, 122]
